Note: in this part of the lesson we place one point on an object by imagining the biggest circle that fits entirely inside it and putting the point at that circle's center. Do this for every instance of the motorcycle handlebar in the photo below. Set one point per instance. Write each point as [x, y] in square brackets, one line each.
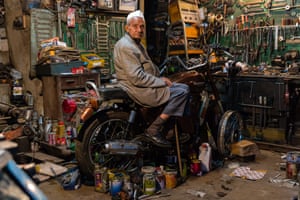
[191, 67]
[211, 48]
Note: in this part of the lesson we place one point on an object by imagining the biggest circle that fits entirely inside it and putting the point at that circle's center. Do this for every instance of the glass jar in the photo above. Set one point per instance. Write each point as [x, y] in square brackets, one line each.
[149, 183]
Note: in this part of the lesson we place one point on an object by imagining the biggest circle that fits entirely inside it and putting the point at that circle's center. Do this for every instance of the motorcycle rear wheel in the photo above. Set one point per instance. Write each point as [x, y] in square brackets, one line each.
[230, 131]
[107, 126]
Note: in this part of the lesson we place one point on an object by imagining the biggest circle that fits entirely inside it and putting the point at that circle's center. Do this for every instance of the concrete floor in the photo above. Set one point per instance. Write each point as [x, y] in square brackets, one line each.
[216, 184]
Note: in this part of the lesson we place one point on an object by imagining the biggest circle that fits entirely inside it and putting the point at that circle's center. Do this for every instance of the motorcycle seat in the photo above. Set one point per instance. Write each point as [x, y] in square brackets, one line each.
[108, 93]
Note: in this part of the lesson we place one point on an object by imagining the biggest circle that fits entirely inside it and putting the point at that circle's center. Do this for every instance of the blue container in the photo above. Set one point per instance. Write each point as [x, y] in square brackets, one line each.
[115, 186]
[29, 4]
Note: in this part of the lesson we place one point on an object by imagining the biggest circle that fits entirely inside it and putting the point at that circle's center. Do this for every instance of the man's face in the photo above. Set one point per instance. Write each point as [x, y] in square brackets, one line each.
[136, 28]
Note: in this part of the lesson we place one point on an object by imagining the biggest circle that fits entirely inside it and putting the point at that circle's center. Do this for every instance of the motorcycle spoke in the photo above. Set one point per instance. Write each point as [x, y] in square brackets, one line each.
[230, 131]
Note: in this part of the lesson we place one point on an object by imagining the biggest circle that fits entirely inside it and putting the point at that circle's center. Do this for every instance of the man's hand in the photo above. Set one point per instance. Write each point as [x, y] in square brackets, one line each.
[167, 81]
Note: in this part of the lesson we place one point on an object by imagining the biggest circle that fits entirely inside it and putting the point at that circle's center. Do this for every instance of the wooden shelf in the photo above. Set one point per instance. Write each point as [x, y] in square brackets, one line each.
[54, 86]
[107, 12]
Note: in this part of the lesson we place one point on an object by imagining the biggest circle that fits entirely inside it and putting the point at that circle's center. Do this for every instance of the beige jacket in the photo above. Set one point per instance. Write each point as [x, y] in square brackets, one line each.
[138, 75]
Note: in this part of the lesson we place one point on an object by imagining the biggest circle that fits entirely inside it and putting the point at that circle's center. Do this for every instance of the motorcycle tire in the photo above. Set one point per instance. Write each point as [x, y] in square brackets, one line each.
[229, 132]
[106, 126]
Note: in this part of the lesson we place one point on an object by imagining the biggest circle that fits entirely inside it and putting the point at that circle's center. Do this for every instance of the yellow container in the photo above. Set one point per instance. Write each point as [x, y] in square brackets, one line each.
[171, 180]
[192, 32]
[93, 60]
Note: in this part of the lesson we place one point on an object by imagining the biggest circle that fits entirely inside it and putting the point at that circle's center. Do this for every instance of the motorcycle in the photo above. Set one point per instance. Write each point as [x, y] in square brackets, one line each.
[113, 136]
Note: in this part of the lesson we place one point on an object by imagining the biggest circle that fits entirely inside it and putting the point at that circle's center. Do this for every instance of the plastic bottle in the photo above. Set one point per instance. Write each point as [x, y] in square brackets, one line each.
[61, 133]
[17, 92]
[61, 129]
[205, 157]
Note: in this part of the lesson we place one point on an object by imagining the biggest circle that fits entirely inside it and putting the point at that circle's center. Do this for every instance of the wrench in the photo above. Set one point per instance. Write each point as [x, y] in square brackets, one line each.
[256, 10]
[295, 37]
[286, 7]
[243, 3]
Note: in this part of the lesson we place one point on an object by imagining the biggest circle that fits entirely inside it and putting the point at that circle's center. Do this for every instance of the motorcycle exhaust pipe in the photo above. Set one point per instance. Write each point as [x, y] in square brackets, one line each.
[121, 147]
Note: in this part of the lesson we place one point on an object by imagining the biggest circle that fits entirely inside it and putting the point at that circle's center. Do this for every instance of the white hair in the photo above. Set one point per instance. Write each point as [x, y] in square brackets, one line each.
[136, 13]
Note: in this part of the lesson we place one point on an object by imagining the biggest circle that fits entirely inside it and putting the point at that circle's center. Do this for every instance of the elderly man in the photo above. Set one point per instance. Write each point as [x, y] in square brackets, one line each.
[139, 77]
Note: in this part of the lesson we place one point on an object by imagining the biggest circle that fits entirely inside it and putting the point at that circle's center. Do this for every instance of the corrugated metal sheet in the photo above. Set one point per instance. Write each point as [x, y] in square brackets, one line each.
[43, 26]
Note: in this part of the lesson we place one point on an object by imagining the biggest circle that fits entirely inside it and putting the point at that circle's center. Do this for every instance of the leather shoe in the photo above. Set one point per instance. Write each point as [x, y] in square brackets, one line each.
[158, 140]
[183, 138]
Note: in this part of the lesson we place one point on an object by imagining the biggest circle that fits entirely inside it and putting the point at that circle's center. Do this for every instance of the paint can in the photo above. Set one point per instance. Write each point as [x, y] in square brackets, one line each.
[170, 177]
[195, 167]
[149, 184]
[115, 186]
[292, 164]
[101, 179]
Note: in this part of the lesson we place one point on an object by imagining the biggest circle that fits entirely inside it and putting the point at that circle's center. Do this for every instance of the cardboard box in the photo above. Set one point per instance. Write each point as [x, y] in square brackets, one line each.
[244, 148]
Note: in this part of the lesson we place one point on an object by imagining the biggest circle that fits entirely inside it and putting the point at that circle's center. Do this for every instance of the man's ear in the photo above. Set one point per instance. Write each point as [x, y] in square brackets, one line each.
[126, 28]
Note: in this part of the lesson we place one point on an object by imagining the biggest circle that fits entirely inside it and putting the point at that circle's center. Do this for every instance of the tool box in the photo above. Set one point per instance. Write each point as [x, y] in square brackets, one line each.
[57, 68]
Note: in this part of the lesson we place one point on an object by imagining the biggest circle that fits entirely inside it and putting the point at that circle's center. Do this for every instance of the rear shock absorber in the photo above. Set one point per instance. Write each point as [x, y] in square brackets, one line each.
[132, 116]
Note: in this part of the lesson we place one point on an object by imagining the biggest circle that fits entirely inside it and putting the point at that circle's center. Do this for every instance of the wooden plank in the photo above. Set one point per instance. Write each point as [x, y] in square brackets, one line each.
[44, 157]
[276, 147]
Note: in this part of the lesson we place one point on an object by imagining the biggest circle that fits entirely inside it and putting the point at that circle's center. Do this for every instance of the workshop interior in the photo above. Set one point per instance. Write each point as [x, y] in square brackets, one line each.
[59, 94]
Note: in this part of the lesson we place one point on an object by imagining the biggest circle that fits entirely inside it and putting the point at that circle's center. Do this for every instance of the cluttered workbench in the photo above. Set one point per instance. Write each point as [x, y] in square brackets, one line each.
[267, 101]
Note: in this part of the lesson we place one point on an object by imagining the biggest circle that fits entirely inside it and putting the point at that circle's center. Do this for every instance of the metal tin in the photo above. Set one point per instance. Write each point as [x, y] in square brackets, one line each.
[195, 167]
[115, 186]
[292, 164]
[171, 180]
[149, 184]
[101, 179]
[52, 138]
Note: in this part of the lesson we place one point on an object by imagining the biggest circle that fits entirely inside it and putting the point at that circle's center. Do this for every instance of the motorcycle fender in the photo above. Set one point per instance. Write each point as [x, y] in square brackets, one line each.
[86, 123]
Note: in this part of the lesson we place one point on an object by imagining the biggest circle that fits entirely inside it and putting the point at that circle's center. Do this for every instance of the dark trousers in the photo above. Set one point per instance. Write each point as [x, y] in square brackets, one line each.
[179, 95]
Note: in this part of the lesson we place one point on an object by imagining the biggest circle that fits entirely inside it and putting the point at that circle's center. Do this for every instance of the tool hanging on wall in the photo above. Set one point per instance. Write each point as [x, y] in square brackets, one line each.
[102, 27]
[58, 7]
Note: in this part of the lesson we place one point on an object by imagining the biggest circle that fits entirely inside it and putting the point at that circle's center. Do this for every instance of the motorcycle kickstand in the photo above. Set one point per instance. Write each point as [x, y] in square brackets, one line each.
[178, 148]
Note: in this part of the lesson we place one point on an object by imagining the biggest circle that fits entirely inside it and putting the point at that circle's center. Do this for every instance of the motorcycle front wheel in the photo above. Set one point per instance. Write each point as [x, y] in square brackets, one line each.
[230, 131]
[90, 150]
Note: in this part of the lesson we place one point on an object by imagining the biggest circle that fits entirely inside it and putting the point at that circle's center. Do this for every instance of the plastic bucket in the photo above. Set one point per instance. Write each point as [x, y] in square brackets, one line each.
[292, 164]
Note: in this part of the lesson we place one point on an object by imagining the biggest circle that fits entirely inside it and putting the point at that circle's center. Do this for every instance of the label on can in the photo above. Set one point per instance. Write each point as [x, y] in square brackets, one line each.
[171, 180]
[291, 170]
[115, 186]
[52, 138]
[149, 184]
[101, 180]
